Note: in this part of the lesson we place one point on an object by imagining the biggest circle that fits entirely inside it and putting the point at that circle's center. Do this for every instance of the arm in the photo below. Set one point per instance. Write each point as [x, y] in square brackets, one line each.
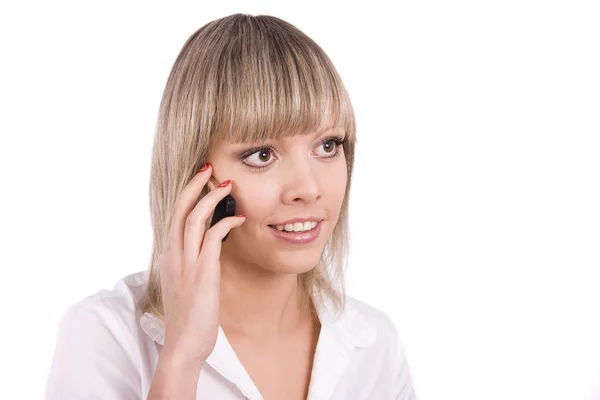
[173, 379]
[402, 380]
[403, 389]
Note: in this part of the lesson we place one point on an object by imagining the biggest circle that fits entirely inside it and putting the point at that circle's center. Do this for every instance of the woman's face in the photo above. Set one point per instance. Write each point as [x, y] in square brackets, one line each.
[288, 183]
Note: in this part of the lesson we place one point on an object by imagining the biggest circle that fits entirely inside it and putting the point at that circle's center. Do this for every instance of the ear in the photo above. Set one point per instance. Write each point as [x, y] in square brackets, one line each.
[212, 183]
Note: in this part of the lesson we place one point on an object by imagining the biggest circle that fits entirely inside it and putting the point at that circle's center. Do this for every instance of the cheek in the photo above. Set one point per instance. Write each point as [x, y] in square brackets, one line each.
[337, 185]
[256, 198]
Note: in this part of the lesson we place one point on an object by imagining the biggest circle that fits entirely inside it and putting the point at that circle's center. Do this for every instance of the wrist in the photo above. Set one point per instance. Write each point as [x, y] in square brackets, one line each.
[176, 359]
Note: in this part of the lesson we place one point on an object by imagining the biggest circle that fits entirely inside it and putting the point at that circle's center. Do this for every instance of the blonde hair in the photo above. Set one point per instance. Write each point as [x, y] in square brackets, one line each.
[246, 78]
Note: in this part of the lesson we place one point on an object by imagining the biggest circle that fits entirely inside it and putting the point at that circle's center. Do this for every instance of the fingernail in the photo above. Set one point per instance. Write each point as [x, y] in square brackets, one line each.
[241, 215]
[225, 183]
[205, 167]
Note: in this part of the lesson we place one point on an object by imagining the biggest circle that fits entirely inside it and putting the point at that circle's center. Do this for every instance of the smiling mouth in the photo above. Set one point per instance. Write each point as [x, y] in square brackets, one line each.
[297, 227]
[296, 234]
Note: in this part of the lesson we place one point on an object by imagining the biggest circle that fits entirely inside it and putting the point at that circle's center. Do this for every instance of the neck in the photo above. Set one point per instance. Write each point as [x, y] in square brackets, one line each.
[259, 303]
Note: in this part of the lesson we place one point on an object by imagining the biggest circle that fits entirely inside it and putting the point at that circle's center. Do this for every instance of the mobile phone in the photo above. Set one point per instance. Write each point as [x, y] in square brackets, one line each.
[225, 208]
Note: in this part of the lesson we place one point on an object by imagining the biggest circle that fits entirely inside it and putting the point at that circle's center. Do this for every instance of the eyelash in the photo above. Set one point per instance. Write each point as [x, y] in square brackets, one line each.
[338, 140]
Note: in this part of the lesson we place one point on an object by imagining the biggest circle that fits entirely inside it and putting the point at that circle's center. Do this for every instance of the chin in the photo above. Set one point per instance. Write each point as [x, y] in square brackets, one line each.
[275, 258]
[289, 264]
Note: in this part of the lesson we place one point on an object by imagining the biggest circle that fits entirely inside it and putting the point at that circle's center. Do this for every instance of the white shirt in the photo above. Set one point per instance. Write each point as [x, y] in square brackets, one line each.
[107, 350]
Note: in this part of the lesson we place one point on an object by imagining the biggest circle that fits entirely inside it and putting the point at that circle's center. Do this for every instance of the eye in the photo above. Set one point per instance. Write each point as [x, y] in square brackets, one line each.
[259, 159]
[330, 147]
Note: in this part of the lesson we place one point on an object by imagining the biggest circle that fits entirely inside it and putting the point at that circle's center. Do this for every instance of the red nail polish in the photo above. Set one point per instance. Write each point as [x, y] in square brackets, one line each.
[242, 215]
[204, 167]
[225, 183]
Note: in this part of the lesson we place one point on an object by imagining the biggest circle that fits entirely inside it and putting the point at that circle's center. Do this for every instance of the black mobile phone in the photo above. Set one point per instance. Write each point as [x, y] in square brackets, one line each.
[225, 208]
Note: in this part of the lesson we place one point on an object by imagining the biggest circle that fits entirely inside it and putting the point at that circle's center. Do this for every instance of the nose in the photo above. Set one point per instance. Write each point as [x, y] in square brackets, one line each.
[302, 184]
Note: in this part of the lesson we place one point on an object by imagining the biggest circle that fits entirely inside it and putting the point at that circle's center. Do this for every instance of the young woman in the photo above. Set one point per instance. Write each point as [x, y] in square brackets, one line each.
[253, 307]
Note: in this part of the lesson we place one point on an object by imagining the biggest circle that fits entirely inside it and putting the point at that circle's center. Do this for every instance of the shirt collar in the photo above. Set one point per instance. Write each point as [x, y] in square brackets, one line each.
[339, 336]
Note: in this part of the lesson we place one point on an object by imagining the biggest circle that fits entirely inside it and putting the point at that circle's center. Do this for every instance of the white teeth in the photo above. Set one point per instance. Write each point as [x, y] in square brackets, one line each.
[297, 227]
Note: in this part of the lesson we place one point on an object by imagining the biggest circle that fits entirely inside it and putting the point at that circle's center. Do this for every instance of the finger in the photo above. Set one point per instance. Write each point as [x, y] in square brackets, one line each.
[211, 246]
[196, 222]
[185, 202]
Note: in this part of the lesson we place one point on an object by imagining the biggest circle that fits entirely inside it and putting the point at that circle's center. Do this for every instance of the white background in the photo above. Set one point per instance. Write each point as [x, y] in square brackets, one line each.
[475, 204]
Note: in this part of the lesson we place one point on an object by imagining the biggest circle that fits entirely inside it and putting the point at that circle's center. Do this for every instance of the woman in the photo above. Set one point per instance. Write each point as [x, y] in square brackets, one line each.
[254, 306]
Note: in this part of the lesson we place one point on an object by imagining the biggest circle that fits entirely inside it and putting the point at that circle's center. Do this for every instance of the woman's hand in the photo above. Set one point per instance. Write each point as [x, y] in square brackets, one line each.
[190, 272]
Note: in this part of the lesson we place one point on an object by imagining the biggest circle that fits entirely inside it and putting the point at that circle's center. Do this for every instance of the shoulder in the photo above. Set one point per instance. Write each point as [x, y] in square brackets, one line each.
[116, 304]
[96, 353]
[376, 319]
[386, 343]
[107, 316]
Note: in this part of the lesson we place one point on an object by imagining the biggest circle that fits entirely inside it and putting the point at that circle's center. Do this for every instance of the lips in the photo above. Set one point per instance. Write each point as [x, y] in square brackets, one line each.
[297, 237]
